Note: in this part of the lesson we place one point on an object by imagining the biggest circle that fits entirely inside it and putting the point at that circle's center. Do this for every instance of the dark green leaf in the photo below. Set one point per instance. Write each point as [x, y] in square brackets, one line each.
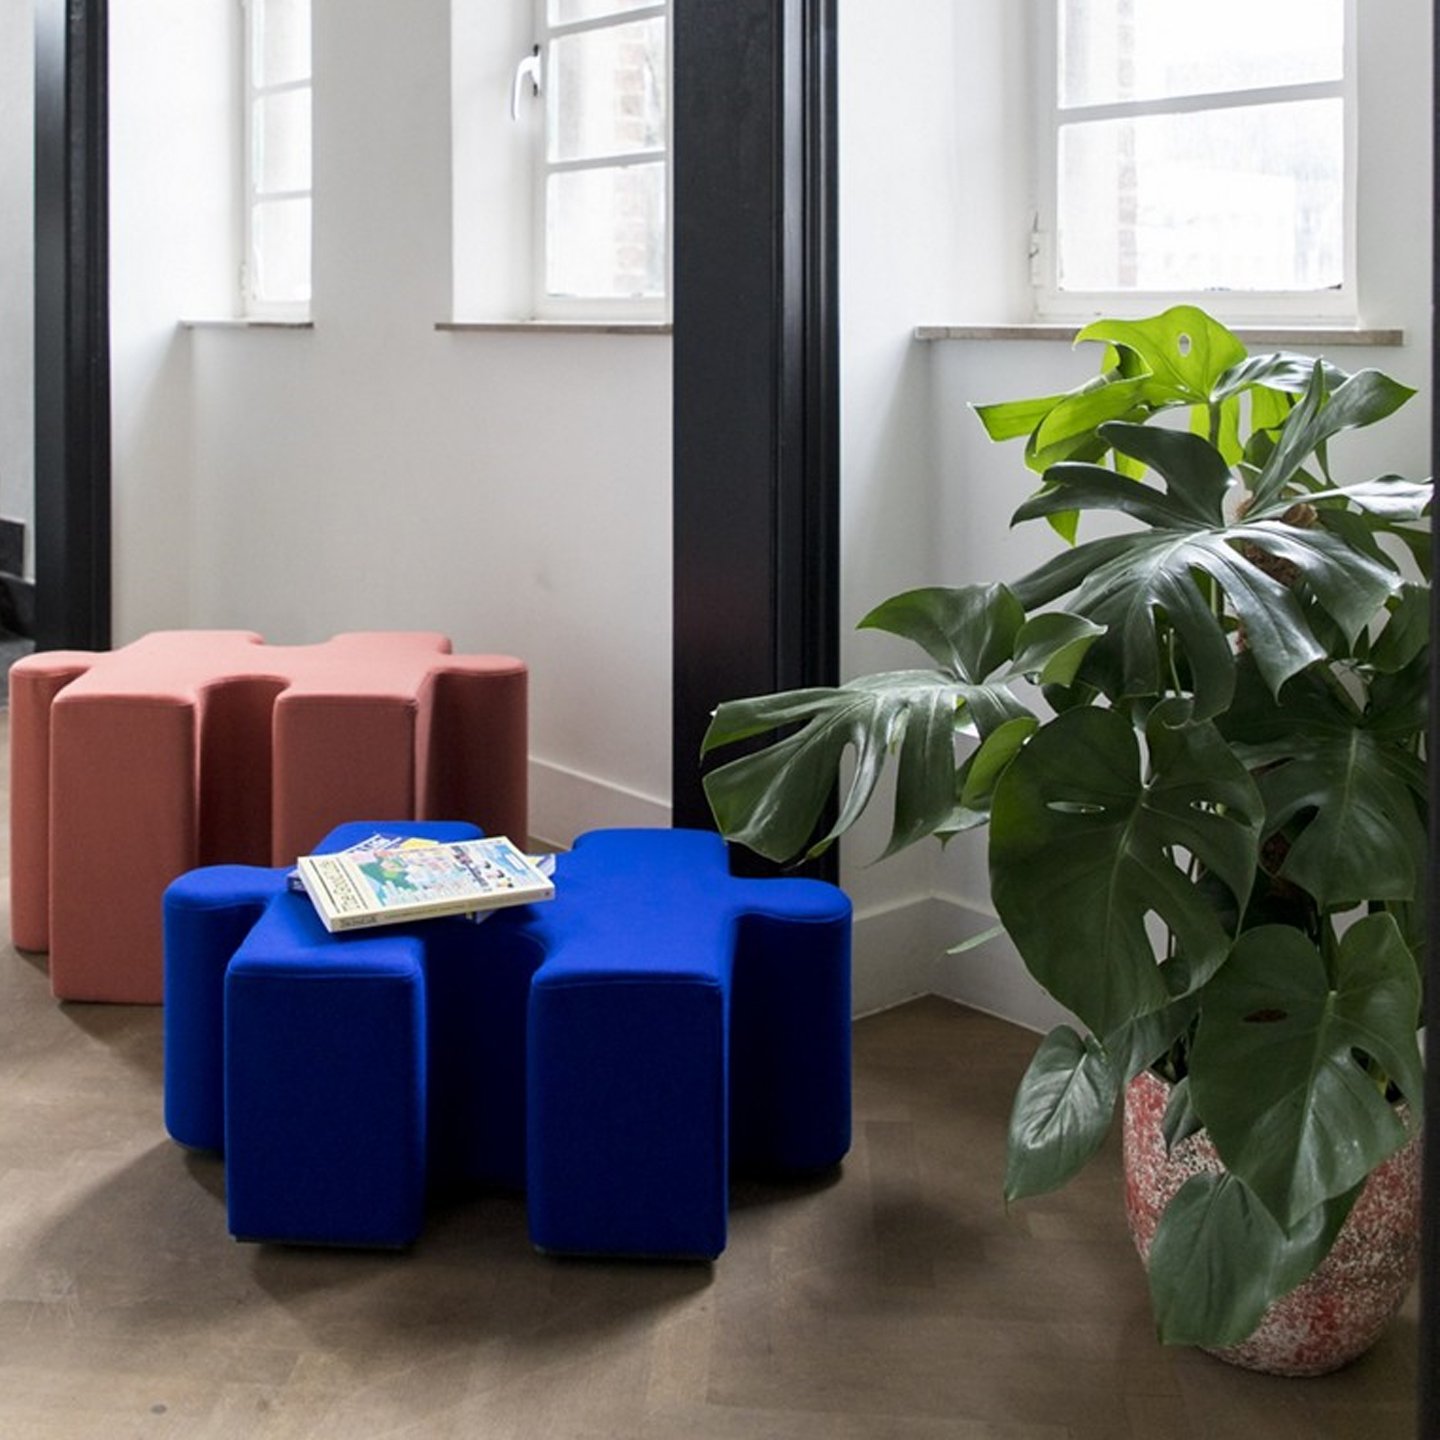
[968, 631]
[1406, 633]
[1218, 1260]
[1083, 849]
[772, 800]
[1338, 785]
[1273, 1069]
[990, 760]
[1061, 1114]
[1182, 1120]
[1138, 1045]
[1360, 400]
[1049, 648]
[1197, 479]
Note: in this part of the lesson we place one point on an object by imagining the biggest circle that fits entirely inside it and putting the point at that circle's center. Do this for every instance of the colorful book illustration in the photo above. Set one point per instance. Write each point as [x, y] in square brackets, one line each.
[381, 884]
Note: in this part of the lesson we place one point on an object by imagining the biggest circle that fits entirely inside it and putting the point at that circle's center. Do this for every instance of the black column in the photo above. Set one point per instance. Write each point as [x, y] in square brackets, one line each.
[72, 345]
[756, 406]
[1429, 1358]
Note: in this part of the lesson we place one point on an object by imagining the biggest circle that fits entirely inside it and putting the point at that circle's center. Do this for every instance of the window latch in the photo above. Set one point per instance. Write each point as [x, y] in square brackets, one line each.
[527, 69]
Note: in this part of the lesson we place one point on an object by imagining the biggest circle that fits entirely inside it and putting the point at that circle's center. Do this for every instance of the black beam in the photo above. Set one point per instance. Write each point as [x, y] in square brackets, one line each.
[756, 404]
[72, 345]
[1428, 1399]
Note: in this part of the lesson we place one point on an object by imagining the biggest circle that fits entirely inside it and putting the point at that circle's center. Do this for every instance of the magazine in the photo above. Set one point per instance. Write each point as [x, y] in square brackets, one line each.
[377, 841]
[364, 887]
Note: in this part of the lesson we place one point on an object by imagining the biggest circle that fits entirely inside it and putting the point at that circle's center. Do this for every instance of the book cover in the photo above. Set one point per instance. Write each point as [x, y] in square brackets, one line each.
[375, 841]
[357, 889]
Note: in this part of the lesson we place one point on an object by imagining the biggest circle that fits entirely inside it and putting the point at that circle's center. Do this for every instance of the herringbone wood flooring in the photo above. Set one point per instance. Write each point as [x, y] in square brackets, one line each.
[894, 1301]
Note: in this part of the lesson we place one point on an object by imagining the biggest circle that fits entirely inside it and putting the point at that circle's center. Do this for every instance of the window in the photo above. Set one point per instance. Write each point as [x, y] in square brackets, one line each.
[560, 160]
[275, 276]
[1199, 151]
[604, 175]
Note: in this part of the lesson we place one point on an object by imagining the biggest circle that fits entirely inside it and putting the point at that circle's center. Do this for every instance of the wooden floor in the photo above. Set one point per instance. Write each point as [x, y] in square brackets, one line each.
[896, 1301]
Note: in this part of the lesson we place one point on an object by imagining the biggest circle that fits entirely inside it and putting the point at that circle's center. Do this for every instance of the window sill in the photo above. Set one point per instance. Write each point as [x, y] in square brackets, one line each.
[558, 327]
[1307, 335]
[246, 322]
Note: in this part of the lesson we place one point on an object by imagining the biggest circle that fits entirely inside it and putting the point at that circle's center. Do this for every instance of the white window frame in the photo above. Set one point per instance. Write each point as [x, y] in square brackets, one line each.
[254, 305]
[556, 307]
[1054, 303]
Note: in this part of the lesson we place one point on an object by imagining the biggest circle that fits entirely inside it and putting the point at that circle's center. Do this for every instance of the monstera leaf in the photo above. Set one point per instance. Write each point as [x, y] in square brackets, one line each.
[1323, 412]
[1219, 1259]
[1084, 845]
[1173, 359]
[1127, 583]
[1067, 1097]
[1274, 1071]
[772, 800]
[1181, 358]
[1344, 786]
[1061, 1114]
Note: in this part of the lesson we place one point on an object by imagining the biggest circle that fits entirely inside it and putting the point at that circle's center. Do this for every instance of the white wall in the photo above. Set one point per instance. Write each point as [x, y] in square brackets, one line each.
[17, 264]
[511, 490]
[514, 489]
[935, 119]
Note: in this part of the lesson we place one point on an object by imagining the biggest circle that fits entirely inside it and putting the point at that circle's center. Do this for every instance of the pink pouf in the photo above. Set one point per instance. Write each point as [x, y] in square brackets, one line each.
[201, 747]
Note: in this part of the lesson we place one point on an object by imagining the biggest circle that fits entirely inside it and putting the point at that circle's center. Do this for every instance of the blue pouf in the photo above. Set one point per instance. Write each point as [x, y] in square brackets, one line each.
[614, 1050]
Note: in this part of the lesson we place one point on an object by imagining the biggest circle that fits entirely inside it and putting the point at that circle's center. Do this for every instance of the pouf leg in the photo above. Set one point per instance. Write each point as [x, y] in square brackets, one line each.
[123, 824]
[627, 1118]
[325, 1095]
[35, 681]
[790, 1030]
[208, 914]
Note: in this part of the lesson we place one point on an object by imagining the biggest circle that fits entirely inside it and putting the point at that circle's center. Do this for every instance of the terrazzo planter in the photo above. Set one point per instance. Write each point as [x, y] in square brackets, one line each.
[1340, 1311]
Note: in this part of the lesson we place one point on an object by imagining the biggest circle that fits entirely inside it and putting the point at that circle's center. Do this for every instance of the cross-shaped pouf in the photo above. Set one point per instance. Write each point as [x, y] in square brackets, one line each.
[614, 1051]
[129, 767]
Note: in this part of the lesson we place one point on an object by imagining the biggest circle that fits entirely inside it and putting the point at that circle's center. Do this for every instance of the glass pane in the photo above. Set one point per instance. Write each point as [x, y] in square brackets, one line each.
[606, 91]
[282, 251]
[282, 141]
[605, 233]
[1243, 199]
[1148, 49]
[282, 41]
[566, 12]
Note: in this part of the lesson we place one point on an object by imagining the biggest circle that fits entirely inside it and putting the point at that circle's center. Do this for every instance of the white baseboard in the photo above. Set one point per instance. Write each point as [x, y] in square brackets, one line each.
[899, 950]
[565, 803]
[893, 956]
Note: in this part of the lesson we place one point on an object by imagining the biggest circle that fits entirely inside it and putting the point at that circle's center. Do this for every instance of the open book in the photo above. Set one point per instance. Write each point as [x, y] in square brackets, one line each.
[363, 887]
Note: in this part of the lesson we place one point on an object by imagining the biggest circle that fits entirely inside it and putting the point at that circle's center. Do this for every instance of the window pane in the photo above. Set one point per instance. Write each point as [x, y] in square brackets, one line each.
[605, 233]
[281, 243]
[282, 41]
[1244, 199]
[1148, 49]
[566, 12]
[606, 91]
[282, 141]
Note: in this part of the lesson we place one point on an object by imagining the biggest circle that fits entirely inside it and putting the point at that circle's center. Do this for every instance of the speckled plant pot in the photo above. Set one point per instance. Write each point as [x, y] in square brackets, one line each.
[1339, 1312]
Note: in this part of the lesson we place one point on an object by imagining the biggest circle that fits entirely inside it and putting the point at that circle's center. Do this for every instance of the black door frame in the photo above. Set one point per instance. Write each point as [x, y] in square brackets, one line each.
[756, 358]
[72, 327]
[1429, 1358]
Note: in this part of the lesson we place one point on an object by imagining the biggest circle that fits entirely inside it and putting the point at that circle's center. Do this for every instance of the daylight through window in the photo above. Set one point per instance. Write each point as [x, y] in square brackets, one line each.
[276, 274]
[603, 177]
[1199, 149]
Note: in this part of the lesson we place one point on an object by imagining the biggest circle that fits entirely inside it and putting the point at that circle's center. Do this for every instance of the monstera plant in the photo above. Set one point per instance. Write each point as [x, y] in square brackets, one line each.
[1198, 742]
